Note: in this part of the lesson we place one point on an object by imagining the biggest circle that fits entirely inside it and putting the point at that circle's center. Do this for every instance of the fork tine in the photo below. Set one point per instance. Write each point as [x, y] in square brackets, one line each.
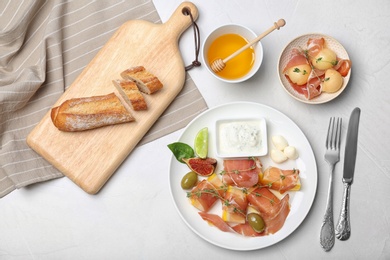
[334, 134]
[339, 123]
[329, 135]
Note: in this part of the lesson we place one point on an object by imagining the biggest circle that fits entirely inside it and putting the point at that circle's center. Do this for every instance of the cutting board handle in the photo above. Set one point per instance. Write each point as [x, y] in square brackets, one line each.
[180, 20]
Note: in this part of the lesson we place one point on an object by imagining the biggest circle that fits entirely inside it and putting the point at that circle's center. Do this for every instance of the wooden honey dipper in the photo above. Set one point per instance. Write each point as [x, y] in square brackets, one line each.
[219, 64]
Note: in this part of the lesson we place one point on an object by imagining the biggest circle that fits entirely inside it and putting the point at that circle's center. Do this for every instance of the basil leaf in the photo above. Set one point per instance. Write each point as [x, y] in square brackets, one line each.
[181, 150]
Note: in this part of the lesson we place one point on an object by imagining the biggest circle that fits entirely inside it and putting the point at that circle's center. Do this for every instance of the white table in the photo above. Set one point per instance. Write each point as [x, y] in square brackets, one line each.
[133, 217]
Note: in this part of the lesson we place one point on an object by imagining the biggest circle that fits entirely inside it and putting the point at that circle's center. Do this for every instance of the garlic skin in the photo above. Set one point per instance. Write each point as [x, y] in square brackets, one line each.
[278, 156]
[279, 142]
[291, 152]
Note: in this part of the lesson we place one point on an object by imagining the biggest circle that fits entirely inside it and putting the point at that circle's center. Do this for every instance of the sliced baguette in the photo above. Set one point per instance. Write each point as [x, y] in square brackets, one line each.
[131, 94]
[79, 114]
[146, 81]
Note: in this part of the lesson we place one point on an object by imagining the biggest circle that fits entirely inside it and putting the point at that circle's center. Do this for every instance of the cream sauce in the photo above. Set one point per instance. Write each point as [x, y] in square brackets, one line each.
[241, 138]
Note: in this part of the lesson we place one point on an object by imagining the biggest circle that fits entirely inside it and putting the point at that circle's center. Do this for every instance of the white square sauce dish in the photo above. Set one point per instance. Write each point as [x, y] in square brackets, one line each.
[241, 137]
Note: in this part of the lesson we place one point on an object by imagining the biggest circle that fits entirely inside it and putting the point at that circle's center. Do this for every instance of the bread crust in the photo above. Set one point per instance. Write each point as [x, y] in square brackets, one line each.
[146, 81]
[131, 94]
[79, 114]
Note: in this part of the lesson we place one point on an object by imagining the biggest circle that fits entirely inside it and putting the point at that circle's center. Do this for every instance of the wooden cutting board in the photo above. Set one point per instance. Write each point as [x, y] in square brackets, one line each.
[90, 158]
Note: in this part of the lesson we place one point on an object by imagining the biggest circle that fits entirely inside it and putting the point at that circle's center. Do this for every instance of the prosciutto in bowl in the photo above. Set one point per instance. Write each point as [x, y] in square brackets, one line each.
[314, 68]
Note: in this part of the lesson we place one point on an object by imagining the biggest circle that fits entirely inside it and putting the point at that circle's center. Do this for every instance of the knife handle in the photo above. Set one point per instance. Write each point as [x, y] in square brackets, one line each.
[343, 228]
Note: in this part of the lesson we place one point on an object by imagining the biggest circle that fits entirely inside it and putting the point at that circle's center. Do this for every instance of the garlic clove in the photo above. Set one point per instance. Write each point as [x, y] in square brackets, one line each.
[279, 142]
[278, 156]
[291, 152]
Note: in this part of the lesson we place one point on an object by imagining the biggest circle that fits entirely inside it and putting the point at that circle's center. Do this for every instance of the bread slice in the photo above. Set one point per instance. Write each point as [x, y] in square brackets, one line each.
[146, 81]
[131, 94]
[79, 114]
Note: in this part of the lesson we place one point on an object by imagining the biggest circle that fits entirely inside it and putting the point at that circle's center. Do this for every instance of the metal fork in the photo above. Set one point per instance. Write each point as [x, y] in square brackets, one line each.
[332, 156]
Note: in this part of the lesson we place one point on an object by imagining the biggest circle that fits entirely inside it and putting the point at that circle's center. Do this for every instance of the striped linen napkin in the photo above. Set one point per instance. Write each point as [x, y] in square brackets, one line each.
[44, 46]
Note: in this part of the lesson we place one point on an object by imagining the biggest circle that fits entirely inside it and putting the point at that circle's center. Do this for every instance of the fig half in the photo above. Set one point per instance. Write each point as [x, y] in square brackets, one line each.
[202, 167]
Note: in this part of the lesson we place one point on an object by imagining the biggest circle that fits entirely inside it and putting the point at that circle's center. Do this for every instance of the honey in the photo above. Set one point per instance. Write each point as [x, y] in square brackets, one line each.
[223, 47]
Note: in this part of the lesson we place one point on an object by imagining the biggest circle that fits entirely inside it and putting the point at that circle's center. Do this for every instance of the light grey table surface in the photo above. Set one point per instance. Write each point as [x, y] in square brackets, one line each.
[134, 217]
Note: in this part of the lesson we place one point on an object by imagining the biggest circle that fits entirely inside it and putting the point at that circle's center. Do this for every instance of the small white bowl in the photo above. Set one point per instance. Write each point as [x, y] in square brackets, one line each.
[301, 42]
[241, 137]
[243, 31]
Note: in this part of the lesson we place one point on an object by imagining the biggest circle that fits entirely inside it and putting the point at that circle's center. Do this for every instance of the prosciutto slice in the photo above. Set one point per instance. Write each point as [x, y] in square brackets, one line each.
[273, 211]
[343, 66]
[243, 229]
[246, 230]
[297, 58]
[234, 205]
[310, 90]
[218, 184]
[280, 180]
[242, 172]
[275, 222]
[314, 46]
[215, 220]
[203, 196]
[313, 87]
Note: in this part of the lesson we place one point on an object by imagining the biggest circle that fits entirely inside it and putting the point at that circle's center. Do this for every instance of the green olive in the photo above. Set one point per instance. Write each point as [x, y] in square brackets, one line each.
[256, 222]
[189, 180]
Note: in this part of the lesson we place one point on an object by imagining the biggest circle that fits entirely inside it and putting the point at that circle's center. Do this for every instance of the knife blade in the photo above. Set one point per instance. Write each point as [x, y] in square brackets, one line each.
[351, 146]
[343, 228]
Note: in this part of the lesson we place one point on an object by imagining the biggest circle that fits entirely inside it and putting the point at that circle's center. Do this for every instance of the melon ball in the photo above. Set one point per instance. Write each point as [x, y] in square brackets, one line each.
[299, 74]
[333, 81]
[325, 59]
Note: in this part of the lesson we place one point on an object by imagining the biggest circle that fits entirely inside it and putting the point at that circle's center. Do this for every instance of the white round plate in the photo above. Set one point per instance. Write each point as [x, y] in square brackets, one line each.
[301, 41]
[277, 123]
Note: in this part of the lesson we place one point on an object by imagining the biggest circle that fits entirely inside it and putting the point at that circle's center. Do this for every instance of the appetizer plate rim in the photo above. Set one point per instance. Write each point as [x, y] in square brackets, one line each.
[300, 201]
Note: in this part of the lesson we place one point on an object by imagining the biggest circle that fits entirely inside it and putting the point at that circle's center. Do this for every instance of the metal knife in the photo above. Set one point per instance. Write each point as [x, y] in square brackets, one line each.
[343, 228]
